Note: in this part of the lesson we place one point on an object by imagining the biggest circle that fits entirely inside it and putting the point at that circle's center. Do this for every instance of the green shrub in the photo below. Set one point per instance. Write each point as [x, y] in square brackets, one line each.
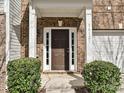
[101, 77]
[24, 75]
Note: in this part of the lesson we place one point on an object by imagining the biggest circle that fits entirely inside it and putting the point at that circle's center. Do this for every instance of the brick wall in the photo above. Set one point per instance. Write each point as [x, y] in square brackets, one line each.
[24, 27]
[108, 19]
[81, 47]
[67, 22]
[2, 54]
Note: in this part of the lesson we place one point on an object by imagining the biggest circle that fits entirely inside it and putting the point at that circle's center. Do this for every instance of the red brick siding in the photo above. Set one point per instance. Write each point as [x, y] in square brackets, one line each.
[24, 27]
[2, 54]
[108, 19]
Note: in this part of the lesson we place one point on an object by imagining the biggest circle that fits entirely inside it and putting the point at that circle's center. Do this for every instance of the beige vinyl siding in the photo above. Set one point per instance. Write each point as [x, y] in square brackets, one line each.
[1, 6]
[15, 21]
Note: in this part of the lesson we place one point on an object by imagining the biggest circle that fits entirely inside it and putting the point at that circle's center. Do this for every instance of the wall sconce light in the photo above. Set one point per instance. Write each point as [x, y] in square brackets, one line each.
[60, 22]
[120, 25]
[109, 7]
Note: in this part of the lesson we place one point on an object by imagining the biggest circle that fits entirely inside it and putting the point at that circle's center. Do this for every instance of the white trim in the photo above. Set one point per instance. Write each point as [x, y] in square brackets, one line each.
[71, 66]
[45, 66]
[6, 10]
[5, 5]
[50, 56]
[88, 35]
[75, 50]
[48, 29]
[7, 29]
[32, 32]
[60, 28]
[107, 30]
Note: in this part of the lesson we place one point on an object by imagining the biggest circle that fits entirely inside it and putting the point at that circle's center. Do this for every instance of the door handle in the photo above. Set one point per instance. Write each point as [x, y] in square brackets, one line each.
[67, 50]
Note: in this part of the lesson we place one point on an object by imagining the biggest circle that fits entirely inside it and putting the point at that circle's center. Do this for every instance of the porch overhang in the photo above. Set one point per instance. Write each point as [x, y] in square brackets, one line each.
[60, 8]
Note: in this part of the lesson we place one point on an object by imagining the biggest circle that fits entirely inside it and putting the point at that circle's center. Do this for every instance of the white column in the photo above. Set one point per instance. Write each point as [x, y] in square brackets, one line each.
[88, 35]
[32, 32]
[6, 10]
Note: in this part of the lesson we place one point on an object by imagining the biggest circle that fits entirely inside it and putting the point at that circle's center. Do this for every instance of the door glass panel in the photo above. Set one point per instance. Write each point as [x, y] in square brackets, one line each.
[47, 61]
[72, 45]
[47, 48]
[72, 61]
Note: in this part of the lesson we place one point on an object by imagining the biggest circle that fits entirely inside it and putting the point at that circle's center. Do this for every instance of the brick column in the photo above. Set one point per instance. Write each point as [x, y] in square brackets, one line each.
[24, 28]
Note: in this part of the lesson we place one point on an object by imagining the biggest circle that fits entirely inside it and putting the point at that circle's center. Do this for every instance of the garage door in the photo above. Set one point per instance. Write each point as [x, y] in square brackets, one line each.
[109, 46]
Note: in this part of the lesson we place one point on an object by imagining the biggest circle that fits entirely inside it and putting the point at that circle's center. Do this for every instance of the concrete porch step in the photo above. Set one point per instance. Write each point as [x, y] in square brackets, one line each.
[62, 80]
[66, 83]
[121, 90]
[82, 90]
[60, 91]
[60, 72]
[62, 83]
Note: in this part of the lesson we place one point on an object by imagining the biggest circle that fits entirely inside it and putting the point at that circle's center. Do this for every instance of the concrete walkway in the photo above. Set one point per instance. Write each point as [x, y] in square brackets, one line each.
[61, 83]
[66, 83]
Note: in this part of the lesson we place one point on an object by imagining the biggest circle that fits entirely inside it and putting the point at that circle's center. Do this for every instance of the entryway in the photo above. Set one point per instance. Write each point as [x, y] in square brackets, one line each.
[60, 49]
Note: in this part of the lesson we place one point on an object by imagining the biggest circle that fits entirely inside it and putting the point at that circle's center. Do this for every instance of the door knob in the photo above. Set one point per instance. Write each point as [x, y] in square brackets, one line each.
[67, 48]
[67, 51]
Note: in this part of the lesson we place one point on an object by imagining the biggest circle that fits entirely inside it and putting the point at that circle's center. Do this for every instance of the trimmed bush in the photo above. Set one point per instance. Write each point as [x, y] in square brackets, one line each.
[24, 75]
[101, 77]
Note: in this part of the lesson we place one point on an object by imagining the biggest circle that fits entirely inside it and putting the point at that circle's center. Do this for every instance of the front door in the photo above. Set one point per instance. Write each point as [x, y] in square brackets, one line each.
[60, 49]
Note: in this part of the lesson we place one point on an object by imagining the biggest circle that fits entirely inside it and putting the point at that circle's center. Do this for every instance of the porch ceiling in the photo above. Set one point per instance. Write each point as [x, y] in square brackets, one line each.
[61, 8]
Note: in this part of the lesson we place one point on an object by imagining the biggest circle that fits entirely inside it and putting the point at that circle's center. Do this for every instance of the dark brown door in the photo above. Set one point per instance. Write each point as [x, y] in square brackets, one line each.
[60, 49]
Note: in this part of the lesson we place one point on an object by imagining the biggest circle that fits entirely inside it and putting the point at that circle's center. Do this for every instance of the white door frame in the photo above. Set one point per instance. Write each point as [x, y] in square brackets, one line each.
[46, 66]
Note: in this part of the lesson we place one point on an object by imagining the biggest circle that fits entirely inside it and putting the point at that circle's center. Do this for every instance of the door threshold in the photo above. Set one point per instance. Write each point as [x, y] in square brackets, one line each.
[59, 72]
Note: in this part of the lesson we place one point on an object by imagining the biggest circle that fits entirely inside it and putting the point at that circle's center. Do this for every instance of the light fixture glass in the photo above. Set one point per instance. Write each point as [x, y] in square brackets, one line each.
[120, 25]
[109, 7]
[60, 22]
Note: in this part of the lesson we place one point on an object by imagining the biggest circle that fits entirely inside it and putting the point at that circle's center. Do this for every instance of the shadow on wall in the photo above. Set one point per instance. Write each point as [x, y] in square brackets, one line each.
[2, 42]
[2, 54]
[24, 28]
[76, 84]
[16, 29]
[111, 48]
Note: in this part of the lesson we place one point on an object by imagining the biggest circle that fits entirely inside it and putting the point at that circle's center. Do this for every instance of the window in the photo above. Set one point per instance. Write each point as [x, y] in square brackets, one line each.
[47, 48]
[73, 50]
[72, 46]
